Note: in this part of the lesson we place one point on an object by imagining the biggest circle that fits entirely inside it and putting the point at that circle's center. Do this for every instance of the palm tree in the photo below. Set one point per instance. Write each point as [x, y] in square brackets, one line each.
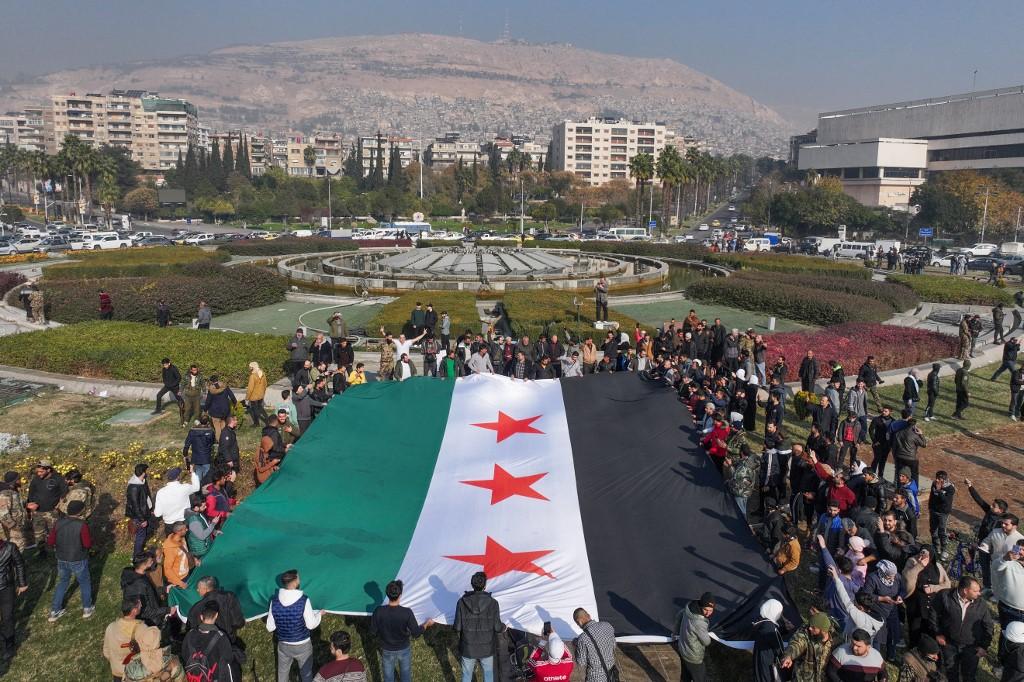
[109, 192]
[694, 157]
[672, 173]
[309, 157]
[641, 168]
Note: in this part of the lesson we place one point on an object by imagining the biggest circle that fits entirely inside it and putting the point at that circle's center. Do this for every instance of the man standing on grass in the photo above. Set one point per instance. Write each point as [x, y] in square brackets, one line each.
[199, 442]
[192, 388]
[1016, 393]
[1010, 351]
[932, 389]
[869, 374]
[204, 316]
[395, 627]
[106, 306]
[171, 378]
[12, 510]
[172, 500]
[961, 624]
[477, 620]
[292, 617]
[118, 637]
[963, 397]
[940, 506]
[220, 401]
[13, 581]
[72, 541]
[601, 300]
[45, 492]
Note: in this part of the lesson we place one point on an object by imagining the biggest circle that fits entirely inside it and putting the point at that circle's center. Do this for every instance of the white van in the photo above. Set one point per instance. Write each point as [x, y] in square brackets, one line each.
[863, 250]
[88, 240]
[33, 232]
[757, 244]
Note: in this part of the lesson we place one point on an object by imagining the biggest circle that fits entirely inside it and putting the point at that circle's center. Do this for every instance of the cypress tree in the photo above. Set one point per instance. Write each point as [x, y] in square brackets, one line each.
[229, 159]
[353, 167]
[215, 167]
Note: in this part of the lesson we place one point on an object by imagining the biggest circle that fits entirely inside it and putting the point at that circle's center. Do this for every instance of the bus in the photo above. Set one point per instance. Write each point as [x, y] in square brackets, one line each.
[629, 233]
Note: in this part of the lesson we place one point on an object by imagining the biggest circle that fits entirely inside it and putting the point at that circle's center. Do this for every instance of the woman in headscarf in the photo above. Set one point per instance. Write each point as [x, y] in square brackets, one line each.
[1012, 658]
[750, 414]
[923, 576]
[886, 584]
[153, 663]
[768, 646]
[254, 394]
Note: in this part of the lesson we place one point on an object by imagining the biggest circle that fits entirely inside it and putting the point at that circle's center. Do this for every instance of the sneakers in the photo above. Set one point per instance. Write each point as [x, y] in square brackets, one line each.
[1013, 417]
[927, 419]
[87, 613]
[54, 615]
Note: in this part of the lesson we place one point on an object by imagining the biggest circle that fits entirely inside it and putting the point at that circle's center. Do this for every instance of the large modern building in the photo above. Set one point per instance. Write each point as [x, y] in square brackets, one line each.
[881, 153]
[599, 150]
[153, 128]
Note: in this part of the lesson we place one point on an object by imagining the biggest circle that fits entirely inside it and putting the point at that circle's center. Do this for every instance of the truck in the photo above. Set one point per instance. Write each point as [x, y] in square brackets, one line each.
[1011, 249]
[109, 242]
[820, 245]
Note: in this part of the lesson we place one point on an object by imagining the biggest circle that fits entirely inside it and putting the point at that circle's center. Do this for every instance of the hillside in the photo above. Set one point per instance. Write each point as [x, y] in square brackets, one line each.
[424, 85]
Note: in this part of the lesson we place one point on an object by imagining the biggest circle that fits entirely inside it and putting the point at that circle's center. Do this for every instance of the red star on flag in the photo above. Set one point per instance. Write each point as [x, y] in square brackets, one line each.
[504, 485]
[506, 426]
[497, 560]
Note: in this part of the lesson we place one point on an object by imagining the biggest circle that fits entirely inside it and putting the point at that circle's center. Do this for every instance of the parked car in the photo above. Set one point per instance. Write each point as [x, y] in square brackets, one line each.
[704, 227]
[201, 238]
[982, 249]
[25, 244]
[54, 244]
[155, 240]
[942, 261]
[984, 264]
[7, 248]
[109, 242]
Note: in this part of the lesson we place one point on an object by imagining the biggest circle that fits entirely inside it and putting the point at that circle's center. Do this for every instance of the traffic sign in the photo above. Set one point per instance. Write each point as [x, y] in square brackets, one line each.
[652, 224]
[926, 232]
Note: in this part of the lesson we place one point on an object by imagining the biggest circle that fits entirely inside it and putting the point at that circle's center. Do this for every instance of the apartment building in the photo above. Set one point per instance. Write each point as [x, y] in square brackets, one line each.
[447, 151]
[257, 145]
[153, 128]
[328, 148]
[377, 148]
[599, 150]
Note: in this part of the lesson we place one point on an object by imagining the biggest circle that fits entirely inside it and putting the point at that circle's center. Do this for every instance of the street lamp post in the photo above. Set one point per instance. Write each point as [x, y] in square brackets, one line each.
[984, 217]
[1016, 226]
[330, 211]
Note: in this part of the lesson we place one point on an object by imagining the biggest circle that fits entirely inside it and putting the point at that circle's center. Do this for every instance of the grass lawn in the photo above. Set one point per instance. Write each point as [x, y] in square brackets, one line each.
[652, 314]
[283, 318]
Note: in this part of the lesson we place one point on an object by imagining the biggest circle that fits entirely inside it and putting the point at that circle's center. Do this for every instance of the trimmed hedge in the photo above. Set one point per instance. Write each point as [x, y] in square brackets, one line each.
[898, 297]
[773, 262]
[132, 352]
[140, 262]
[948, 289]
[226, 290]
[286, 245]
[795, 301]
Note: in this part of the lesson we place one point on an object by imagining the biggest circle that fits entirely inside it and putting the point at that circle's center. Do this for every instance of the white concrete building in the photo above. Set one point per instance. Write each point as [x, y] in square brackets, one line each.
[599, 150]
[882, 152]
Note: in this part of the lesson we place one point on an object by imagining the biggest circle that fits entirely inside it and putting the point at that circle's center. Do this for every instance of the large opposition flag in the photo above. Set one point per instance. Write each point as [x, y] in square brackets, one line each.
[586, 492]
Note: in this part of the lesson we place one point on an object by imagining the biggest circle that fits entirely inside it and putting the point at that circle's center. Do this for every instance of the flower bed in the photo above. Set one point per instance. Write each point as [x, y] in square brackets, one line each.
[775, 296]
[132, 352]
[946, 289]
[287, 245]
[850, 344]
[226, 290]
[15, 258]
[141, 262]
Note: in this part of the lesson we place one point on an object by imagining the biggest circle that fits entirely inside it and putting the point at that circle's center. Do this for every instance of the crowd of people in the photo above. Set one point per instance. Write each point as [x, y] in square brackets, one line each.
[884, 594]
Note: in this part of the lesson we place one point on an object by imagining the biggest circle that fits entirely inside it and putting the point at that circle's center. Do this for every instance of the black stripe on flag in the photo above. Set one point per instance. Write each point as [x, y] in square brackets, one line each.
[659, 525]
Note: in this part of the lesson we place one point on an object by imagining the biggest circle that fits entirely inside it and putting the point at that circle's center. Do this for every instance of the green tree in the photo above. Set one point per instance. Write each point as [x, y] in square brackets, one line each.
[608, 214]
[672, 171]
[641, 168]
[228, 159]
[142, 200]
[545, 212]
[215, 167]
[353, 167]
[309, 158]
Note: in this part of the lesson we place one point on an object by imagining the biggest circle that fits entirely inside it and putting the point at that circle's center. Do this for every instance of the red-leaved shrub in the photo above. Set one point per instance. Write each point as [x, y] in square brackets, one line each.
[850, 344]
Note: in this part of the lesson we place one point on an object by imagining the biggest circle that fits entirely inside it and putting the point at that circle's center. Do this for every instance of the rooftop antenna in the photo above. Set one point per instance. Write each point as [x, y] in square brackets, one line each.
[507, 33]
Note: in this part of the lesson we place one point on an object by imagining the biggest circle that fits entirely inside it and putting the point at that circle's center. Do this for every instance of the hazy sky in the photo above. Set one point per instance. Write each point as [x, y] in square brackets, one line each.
[798, 56]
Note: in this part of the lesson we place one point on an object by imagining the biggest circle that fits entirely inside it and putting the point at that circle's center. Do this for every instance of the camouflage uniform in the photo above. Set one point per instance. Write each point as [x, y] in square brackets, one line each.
[810, 656]
[387, 361]
[12, 517]
[744, 477]
[83, 492]
[35, 299]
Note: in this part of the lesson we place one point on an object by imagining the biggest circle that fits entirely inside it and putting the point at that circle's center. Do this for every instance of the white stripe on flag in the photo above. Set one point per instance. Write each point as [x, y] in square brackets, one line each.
[542, 538]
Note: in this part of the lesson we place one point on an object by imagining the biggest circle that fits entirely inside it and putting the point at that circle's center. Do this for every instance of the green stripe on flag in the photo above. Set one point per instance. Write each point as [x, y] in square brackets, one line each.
[343, 508]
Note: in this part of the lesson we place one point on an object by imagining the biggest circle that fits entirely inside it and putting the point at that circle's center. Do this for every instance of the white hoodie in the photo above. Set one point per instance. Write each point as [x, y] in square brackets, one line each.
[172, 500]
[287, 598]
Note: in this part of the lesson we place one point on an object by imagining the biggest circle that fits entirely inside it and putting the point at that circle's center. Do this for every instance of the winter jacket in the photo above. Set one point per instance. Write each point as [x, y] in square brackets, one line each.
[204, 315]
[808, 369]
[171, 377]
[932, 382]
[219, 400]
[941, 500]
[138, 504]
[117, 635]
[694, 637]
[945, 619]
[227, 447]
[906, 442]
[257, 387]
[199, 441]
[911, 388]
[176, 561]
[134, 585]
[869, 374]
[304, 406]
[337, 326]
[857, 402]
[809, 655]
[192, 385]
[297, 350]
[323, 353]
[477, 620]
[12, 566]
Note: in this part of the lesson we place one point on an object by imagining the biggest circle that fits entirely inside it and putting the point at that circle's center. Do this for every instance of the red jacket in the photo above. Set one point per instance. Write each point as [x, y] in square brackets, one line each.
[711, 442]
[843, 495]
[547, 671]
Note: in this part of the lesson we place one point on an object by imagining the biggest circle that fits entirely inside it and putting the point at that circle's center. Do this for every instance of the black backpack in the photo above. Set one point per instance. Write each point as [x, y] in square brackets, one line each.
[199, 667]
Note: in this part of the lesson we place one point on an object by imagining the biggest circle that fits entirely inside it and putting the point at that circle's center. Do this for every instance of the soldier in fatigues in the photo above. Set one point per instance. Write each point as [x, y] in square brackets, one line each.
[12, 510]
[192, 387]
[80, 490]
[45, 491]
[387, 359]
[35, 299]
[809, 650]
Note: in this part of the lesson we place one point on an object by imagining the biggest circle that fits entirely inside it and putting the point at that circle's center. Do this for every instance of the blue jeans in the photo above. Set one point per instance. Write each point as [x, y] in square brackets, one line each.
[201, 470]
[469, 665]
[65, 569]
[1006, 365]
[403, 658]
